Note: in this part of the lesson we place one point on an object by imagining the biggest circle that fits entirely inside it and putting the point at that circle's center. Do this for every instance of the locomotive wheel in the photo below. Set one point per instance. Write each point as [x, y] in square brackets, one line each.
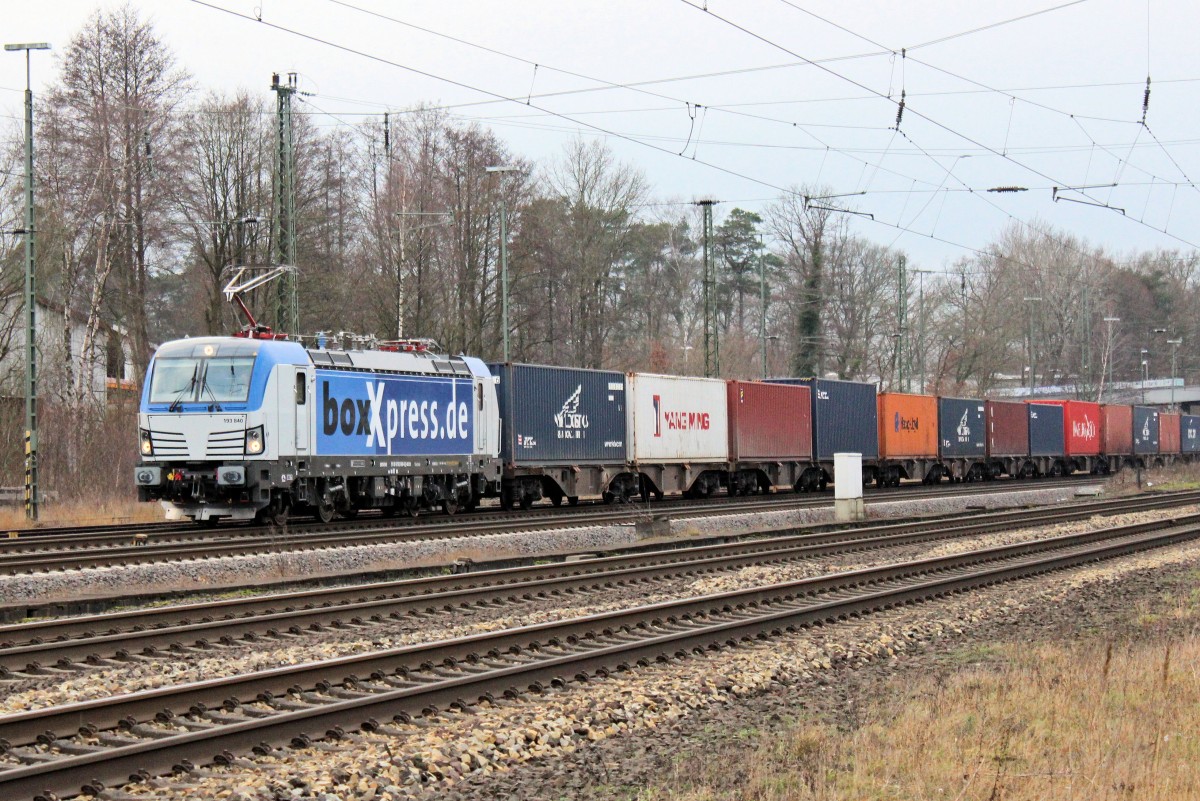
[389, 510]
[324, 510]
[410, 506]
[274, 514]
[450, 506]
[350, 512]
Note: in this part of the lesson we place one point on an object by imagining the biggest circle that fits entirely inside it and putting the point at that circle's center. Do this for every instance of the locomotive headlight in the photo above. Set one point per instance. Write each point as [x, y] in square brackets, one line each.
[254, 440]
[147, 447]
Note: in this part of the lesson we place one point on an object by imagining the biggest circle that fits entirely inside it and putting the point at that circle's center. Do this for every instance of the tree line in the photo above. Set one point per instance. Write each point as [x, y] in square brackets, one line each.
[150, 188]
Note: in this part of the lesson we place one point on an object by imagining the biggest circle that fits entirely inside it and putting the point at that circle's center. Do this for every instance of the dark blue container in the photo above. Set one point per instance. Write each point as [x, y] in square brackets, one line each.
[560, 415]
[961, 427]
[1189, 433]
[1145, 429]
[1046, 433]
[845, 417]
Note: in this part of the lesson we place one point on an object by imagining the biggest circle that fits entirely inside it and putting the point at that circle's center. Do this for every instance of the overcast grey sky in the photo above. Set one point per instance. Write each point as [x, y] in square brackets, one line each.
[1054, 99]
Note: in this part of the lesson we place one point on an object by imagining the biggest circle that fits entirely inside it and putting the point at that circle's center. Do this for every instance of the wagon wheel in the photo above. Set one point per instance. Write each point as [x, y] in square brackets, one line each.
[410, 506]
[573, 500]
[324, 510]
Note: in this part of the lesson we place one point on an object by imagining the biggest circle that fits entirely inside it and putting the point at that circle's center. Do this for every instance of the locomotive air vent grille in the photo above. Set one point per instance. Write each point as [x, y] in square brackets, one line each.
[169, 443]
[226, 443]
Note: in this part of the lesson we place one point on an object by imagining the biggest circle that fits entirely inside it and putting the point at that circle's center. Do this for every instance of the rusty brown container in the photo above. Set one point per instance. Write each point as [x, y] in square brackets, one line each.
[1007, 428]
[770, 422]
[907, 426]
[1168, 433]
[1116, 429]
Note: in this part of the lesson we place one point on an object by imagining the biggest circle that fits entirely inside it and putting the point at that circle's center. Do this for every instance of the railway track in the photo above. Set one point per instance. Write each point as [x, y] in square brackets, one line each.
[59, 751]
[78, 551]
[27, 649]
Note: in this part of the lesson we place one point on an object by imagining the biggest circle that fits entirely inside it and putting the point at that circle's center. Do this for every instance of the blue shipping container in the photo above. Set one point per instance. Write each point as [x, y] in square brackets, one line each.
[1189, 433]
[560, 415]
[961, 427]
[1046, 433]
[845, 417]
[1145, 429]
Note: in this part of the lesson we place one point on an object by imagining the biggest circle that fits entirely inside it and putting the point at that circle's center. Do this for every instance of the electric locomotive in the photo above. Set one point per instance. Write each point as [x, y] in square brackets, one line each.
[242, 428]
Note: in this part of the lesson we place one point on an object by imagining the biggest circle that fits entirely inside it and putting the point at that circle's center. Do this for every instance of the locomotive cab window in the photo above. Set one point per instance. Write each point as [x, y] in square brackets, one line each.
[220, 379]
[301, 389]
[479, 394]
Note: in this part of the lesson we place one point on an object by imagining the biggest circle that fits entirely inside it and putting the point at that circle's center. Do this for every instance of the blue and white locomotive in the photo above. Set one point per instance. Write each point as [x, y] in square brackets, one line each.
[252, 427]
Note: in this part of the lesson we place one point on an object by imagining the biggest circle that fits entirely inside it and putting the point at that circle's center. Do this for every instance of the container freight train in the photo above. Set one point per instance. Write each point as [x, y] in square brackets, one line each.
[245, 428]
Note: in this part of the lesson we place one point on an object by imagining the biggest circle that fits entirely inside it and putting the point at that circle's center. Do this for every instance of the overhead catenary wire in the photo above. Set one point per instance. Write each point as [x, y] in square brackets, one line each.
[932, 121]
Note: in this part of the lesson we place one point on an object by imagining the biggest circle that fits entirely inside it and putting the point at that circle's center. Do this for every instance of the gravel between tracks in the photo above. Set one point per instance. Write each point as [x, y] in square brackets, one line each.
[177, 668]
[605, 739]
[204, 575]
[544, 746]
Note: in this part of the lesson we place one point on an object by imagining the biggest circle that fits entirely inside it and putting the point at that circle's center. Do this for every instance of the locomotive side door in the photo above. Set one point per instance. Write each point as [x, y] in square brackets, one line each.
[301, 409]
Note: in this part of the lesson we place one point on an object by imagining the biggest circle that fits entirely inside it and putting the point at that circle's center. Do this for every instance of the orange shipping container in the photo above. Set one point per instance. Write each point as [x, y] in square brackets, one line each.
[908, 427]
[1168, 433]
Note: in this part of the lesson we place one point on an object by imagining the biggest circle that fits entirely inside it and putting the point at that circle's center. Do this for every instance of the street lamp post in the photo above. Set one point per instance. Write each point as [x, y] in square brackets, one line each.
[31, 421]
[503, 259]
[921, 323]
[1145, 372]
[1032, 350]
[685, 349]
[1174, 343]
[1108, 321]
[762, 319]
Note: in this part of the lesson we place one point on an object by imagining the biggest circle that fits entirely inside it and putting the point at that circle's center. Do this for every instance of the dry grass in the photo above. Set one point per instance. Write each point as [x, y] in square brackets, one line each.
[81, 513]
[1090, 720]
[1178, 477]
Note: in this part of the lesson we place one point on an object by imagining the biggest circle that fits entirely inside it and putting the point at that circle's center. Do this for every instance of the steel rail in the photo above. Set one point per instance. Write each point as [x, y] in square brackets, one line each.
[68, 642]
[505, 660]
[77, 539]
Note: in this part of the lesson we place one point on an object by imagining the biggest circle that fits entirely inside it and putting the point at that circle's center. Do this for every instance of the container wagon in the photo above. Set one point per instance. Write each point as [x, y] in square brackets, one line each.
[563, 432]
[1007, 450]
[770, 435]
[1116, 436]
[962, 439]
[1047, 440]
[1145, 436]
[845, 419]
[678, 436]
[908, 438]
[1168, 435]
[1081, 435]
[1189, 435]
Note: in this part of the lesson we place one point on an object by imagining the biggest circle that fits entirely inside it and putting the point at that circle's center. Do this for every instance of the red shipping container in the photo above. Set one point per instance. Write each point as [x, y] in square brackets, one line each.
[1007, 428]
[769, 422]
[907, 426]
[1116, 430]
[1081, 426]
[1168, 433]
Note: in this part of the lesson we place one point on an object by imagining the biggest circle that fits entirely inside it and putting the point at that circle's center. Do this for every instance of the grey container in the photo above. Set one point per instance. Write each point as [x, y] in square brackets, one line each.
[962, 431]
[1145, 429]
[1189, 433]
[560, 415]
[1046, 433]
[845, 417]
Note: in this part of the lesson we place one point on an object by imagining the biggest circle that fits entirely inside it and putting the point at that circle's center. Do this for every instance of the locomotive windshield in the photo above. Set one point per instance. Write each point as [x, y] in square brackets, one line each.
[218, 379]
